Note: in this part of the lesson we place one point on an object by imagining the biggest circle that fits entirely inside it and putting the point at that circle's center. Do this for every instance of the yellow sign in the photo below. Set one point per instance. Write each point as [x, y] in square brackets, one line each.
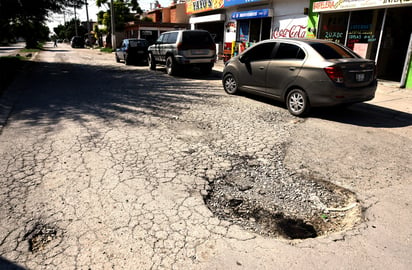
[196, 6]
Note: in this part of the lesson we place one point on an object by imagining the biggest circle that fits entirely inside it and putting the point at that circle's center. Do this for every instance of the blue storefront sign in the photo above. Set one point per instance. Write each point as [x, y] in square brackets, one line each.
[229, 3]
[250, 14]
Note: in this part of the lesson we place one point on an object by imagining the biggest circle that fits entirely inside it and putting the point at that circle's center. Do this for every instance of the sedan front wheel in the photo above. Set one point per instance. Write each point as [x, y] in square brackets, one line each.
[230, 84]
[297, 102]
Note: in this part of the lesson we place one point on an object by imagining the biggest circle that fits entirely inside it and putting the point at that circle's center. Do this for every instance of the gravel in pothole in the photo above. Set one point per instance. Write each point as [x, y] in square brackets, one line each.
[39, 236]
[263, 197]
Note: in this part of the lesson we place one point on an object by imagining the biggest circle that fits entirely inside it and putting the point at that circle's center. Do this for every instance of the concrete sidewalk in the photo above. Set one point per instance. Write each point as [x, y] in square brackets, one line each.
[390, 96]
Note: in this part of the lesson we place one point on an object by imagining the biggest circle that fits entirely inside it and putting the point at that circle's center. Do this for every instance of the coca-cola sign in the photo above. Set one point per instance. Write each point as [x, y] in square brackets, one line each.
[294, 31]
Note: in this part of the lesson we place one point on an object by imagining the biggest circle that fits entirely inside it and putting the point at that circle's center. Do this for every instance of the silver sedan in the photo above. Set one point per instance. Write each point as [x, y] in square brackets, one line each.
[303, 73]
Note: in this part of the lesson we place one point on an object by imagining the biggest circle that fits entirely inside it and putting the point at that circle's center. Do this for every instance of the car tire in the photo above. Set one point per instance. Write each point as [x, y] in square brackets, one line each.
[230, 84]
[171, 66]
[152, 62]
[297, 103]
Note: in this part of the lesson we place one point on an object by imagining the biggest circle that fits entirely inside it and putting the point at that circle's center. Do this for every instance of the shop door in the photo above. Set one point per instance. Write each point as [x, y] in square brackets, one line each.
[254, 30]
[395, 40]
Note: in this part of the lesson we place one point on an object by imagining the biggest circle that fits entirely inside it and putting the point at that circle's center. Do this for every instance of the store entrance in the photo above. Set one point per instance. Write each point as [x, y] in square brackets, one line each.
[216, 29]
[254, 30]
[395, 40]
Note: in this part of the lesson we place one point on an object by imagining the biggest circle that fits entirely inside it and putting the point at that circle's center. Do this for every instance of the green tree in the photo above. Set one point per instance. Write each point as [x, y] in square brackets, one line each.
[122, 13]
[68, 30]
[27, 18]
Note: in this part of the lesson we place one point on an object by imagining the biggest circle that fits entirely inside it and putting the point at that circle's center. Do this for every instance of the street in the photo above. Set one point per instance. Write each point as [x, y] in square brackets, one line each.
[11, 49]
[108, 166]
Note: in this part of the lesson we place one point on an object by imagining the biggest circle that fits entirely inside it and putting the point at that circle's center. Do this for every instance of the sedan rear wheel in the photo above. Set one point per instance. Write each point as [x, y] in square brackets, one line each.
[230, 84]
[297, 102]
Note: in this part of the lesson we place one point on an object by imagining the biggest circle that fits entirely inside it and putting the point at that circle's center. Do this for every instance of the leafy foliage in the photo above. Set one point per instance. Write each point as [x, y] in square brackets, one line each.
[67, 31]
[26, 18]
[122, 13]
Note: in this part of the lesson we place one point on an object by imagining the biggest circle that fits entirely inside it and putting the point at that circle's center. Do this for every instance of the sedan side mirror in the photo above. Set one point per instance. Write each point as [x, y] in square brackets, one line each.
[244, 58]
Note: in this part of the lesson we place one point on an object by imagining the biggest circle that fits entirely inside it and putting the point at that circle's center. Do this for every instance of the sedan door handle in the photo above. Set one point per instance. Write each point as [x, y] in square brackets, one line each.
[292, 68]
[261, 67]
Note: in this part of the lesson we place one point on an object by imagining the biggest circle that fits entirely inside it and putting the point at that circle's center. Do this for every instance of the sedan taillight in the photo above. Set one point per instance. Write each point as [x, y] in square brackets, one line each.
[334, 73]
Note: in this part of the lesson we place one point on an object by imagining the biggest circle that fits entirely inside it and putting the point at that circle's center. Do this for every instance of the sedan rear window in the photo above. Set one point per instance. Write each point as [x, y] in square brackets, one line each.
[332, 51]
[138, 43]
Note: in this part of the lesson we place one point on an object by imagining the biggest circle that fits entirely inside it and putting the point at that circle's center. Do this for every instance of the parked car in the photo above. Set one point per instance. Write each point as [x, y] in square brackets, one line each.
[183, 48]
[77, 42]
[303, 73]
[132, 50]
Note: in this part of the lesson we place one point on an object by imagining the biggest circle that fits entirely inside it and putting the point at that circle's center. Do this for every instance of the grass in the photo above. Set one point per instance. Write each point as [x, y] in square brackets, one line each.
[29, 50]
[108, 50]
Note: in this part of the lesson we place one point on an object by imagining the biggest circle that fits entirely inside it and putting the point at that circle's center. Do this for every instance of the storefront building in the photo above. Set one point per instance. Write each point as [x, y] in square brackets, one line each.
[163, 19]
[238, 24]
[380, 30]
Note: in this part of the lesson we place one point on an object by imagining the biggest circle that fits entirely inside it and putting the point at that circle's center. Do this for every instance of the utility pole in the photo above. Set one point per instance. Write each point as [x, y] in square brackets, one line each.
[75, 19]
[114, 45]
[88, 22]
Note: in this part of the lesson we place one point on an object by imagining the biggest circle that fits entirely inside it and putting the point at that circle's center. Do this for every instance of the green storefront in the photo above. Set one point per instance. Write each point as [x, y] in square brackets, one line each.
[376, 29]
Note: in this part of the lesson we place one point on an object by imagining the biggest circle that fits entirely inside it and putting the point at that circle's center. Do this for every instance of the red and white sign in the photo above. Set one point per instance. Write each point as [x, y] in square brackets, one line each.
[291, 28]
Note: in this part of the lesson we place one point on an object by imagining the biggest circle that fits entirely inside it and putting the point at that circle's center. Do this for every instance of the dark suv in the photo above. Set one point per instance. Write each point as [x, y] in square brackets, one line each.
[77, 42]
[183, 48]
[132, 50]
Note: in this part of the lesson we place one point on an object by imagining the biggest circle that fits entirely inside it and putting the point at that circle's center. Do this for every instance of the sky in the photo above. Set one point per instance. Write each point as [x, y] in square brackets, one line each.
[56, 19]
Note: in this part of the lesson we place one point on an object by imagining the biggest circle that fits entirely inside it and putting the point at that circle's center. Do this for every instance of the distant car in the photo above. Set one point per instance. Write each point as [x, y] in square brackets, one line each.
[132, 50]
[77, 42]
[183, 48]
[303, 73]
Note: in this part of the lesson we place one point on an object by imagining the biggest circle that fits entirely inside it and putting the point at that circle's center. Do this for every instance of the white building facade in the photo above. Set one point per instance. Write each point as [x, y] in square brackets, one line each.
[245, 22]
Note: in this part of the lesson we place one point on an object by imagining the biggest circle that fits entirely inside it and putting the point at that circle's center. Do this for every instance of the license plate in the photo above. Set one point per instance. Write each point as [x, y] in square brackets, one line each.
[140, 52]
[199, 52]
[360, 77]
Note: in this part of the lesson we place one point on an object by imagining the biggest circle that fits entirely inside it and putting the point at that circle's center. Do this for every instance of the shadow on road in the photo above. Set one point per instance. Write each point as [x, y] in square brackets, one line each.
[51, 92]
[361, 114]
[6, 264]
[366, 115]
[55, 91]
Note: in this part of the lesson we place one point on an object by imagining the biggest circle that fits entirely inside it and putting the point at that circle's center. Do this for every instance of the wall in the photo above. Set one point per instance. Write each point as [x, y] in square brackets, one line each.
[166, 15]
[409, 77]
[289, 19]
[313, 21]
[178, 14]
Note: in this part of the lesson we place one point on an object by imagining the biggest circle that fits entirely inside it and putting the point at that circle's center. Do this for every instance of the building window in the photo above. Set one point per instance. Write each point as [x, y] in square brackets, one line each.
[254, 30]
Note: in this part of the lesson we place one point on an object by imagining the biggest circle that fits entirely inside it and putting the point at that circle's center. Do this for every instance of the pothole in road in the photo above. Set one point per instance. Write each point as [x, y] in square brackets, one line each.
[39, 236]
[268, 200]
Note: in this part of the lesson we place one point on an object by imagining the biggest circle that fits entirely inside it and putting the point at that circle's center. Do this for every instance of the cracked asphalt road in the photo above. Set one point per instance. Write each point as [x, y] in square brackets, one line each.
[103, 167]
